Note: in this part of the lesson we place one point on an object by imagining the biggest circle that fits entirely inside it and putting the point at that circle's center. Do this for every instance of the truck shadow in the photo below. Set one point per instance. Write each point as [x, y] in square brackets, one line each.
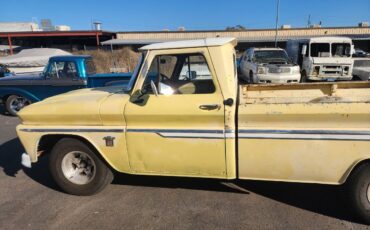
[322, 199]
[10, 164]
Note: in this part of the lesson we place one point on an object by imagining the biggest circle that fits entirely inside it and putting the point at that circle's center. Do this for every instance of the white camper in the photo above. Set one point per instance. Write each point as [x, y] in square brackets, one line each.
[322, 58]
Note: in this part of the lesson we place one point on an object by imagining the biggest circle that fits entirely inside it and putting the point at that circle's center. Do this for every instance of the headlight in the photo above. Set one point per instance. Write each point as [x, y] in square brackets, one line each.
[296, 70]
[261, 70]
[316, 70]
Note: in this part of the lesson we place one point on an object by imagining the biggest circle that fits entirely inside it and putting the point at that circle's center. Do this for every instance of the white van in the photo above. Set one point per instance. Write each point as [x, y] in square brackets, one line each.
[322, 58]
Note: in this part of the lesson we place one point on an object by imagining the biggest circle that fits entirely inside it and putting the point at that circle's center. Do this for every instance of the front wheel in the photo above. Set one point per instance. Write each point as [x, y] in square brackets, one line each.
[304, 77]
[359, 192]
[77, 169]
[251, 81]
[15, 103]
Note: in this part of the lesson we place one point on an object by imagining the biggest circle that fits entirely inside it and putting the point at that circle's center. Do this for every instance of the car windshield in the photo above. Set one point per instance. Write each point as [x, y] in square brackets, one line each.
[341, 49]
[320, 50]
[270, 56]
[134, 76]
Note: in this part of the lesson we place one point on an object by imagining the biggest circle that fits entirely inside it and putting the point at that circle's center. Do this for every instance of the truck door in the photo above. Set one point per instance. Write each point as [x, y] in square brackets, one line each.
[60, 77]
[179, 131]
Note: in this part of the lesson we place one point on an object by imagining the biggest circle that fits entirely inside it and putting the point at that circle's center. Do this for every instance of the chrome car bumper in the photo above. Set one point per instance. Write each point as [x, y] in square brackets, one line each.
[26, 160]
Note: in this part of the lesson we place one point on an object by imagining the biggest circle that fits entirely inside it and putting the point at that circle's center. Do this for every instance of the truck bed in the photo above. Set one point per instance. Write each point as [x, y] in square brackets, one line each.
[338, 92]
[312, 132]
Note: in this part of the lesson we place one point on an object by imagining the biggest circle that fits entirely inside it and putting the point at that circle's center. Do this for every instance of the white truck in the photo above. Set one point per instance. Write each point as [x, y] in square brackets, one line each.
[322, 58]
[268, 65]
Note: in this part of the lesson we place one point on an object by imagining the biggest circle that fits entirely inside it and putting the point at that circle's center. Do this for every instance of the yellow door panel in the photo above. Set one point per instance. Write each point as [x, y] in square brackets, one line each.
[177, 127]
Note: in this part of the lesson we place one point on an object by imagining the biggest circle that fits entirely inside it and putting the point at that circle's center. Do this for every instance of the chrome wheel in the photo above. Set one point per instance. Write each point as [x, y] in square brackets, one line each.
[78, 167]
[368, 193]
[18, 103]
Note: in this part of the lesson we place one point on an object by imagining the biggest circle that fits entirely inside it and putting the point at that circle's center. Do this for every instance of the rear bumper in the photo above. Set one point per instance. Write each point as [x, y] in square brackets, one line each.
[278, 78]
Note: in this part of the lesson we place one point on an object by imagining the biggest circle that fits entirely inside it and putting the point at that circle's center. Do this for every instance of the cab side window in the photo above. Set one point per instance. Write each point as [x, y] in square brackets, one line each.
[63, 70]
[180, 74]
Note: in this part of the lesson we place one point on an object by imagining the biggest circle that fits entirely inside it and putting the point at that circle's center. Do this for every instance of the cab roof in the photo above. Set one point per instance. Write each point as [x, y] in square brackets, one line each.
[207, 42]
[69, 57]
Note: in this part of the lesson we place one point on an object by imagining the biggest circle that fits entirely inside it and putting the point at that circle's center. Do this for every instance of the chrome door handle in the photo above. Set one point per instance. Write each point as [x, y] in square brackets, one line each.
[210, 107]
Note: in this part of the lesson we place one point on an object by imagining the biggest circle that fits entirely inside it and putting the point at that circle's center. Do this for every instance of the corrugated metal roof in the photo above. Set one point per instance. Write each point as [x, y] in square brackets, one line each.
[240, 39]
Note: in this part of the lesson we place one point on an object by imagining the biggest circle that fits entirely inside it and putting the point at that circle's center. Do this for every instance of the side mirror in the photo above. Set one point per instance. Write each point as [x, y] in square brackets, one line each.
[304, 50]
[154, 88]
[353, 49]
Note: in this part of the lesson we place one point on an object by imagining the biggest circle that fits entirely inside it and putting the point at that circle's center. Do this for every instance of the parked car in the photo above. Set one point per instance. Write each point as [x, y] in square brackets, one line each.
[361, 69]
[322, 58]
[4, 71]
[360, 53]
[268, 65]
[203, 127]
[62, 74]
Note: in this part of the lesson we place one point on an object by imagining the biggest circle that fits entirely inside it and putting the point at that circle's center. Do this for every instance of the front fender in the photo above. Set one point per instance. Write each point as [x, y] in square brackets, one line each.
[6, 91]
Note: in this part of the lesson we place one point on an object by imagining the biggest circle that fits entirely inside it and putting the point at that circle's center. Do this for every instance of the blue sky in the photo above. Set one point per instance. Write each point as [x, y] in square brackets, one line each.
[124, 15]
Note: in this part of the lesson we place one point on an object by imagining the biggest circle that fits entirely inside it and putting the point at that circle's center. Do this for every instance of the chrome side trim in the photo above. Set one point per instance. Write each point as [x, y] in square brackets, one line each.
[279, 131]
[344, 135]
[174, 131]
[188, 133]
[74, 130]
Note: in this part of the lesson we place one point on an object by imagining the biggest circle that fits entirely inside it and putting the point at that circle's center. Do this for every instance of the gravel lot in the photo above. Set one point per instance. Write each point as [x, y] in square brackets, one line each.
[31, 200]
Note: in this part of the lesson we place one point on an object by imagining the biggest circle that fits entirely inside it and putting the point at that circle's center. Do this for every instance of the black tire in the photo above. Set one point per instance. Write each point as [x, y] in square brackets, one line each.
[102, 174]
[357, 187]
[12, 101]
[304, 77]
[250, 77]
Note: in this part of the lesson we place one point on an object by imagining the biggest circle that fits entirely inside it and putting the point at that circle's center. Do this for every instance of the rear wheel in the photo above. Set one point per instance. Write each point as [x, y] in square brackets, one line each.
[15, 103]
[77, 169]
[359, 192]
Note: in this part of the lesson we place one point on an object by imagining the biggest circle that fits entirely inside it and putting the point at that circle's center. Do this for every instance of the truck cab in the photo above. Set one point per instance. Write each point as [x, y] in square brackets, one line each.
[323, 58]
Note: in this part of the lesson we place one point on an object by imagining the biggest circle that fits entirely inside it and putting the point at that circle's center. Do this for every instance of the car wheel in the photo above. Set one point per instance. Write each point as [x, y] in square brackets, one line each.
[359, 192]
[304, 77]
[15, 103]
[77, 169]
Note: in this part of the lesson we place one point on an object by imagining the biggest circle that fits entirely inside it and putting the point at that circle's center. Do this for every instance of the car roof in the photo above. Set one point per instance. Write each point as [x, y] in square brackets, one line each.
[207, 42]
[70, 57]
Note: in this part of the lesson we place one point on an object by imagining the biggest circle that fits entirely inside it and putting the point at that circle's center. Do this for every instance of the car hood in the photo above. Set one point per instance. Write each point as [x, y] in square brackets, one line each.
[17, 78]
[79, 107]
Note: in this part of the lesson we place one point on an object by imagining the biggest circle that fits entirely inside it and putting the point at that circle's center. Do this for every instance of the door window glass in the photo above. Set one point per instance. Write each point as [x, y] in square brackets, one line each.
[63, 70]
[180, 74]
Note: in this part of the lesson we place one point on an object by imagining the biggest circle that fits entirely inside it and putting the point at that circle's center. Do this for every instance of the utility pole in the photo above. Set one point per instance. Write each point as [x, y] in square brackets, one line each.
[277, 21]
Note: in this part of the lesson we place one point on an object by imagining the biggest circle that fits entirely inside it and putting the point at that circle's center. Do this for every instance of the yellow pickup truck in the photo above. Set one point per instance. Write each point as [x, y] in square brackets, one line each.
[183, 114]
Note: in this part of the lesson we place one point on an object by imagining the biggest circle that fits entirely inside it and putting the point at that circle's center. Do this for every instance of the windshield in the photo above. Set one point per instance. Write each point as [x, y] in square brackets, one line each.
[271, 56]
[134, 76]
[341, 50]
[320, 50]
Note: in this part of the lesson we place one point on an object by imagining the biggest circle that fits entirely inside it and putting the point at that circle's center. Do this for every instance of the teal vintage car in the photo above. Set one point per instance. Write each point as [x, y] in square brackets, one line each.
[62, 74]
